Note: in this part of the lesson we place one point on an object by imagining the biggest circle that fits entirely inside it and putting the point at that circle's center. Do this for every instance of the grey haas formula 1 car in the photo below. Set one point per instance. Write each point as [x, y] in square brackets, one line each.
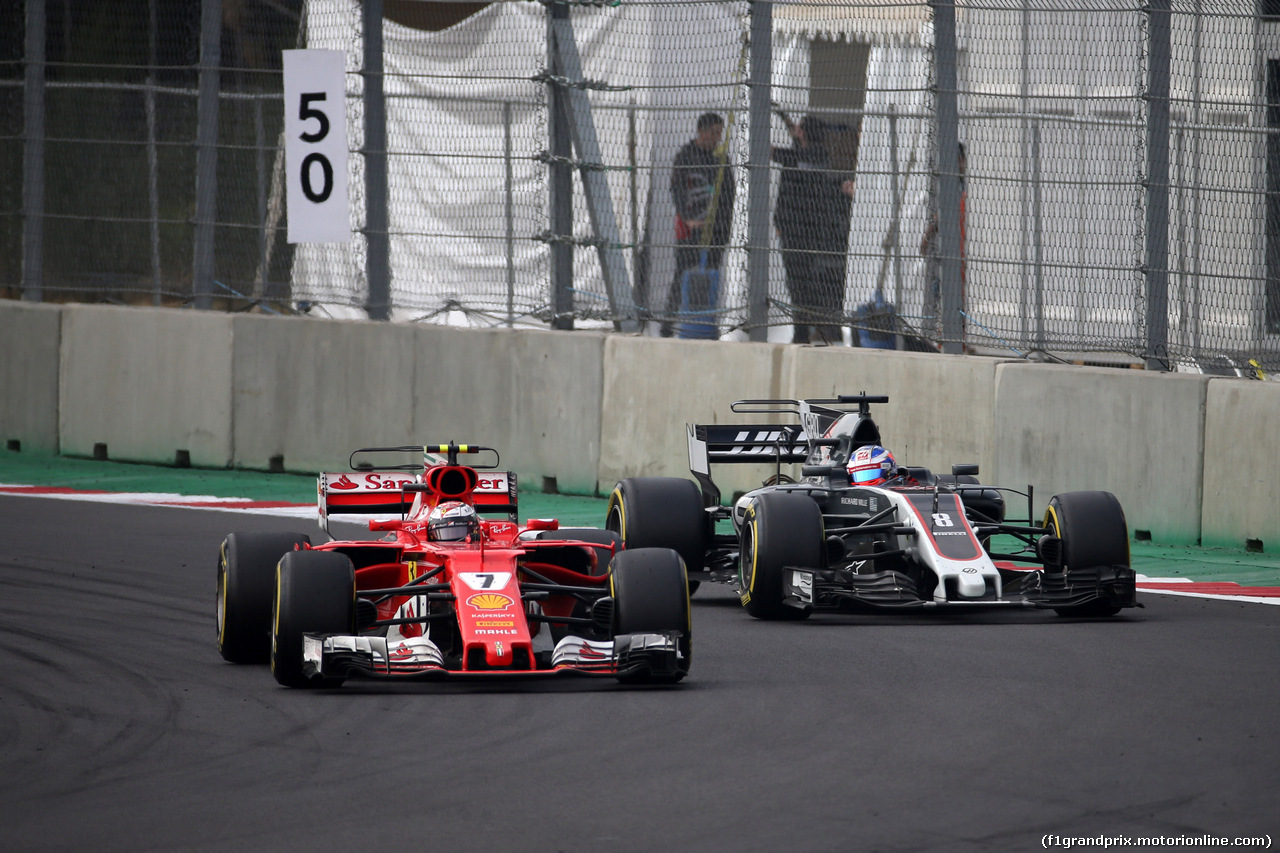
[906, 539]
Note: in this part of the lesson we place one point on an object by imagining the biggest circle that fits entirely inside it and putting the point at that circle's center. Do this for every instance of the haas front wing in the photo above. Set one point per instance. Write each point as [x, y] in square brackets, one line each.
[913, 548]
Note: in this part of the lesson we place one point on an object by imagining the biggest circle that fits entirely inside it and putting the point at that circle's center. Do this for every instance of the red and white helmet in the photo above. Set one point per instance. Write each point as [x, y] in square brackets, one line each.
[452, 521]
[871, 465]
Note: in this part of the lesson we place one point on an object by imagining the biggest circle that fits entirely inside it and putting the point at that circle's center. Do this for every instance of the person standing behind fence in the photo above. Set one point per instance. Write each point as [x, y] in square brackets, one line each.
[812, 218]
[702, 191]
[933, 275]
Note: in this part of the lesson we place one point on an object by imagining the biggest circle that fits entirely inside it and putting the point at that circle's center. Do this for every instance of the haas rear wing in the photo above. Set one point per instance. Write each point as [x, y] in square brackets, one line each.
[741, 443]
[777, 444]
[744, 443]
[390, 493]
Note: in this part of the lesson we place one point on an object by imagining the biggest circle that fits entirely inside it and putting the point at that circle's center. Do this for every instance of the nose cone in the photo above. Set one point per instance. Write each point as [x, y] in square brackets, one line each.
[970, 584]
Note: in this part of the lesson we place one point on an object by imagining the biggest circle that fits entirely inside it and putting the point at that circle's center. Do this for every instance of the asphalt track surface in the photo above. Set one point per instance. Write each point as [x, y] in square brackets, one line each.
[121, 728]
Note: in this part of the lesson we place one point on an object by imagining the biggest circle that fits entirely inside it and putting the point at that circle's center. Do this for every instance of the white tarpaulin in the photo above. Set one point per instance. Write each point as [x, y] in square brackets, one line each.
[457, 98]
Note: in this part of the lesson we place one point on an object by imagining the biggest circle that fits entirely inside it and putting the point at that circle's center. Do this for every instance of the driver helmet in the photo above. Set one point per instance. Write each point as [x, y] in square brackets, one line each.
[452, 521]
[871, 465]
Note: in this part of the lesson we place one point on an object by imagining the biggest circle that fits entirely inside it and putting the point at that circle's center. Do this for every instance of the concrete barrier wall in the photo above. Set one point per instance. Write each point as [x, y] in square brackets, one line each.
[940, 410]
[654, 386]
[1242, 464]
[147, 383]
[311, 391]
[588, 409]
[535, 396]
[30, 335]
[1136, 434]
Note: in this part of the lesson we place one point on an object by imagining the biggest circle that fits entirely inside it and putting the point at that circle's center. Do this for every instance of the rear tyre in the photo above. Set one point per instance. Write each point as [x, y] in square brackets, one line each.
[661, 512]
[246, 584]
[315, 594]
[1093, 531]
[778, 530]
[650, 594]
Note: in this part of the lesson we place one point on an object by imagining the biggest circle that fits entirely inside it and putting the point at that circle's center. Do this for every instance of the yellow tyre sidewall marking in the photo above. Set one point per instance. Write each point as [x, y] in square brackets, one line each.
[275, 628]
[222, 594]
[1051, 521]
[750, 586]
[615, 500]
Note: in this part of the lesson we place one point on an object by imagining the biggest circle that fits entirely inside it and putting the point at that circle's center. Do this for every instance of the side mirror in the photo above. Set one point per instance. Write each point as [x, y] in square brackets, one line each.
[970, 469]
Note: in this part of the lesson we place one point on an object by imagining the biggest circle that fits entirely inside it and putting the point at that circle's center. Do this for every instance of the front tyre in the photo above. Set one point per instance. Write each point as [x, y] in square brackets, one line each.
[1094, 535]
[661, 512]
[245, 586]
[779, 530]
[315, 594]
[650, 591]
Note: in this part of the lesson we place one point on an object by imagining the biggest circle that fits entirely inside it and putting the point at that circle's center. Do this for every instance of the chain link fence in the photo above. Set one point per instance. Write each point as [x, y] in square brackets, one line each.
[700, 168]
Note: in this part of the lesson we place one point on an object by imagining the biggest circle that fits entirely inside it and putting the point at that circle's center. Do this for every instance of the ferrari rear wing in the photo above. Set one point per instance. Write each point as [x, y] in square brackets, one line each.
[388, 493]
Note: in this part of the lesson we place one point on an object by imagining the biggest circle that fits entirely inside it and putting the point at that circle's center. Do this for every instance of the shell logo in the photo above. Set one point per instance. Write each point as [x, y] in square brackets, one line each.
[489, 601]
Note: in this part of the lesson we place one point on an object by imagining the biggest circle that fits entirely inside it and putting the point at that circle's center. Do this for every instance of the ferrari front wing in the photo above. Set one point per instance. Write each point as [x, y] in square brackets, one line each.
[346, 656]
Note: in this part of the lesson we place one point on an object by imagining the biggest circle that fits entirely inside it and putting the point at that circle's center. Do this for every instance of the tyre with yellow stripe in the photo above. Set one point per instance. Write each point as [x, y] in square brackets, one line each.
[650, 592]
[315, 594]
[245, 586]
[1093, 532]
[779, 531]
[661, 512]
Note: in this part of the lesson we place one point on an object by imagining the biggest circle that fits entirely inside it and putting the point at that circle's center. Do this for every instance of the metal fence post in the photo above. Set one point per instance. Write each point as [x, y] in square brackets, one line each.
[633, 194]
[758, 157]
[1196, 100]
[948, 165]
[561, 185]
[1157, 259]
[260, 175]
[1037, 235]
[153, 161]
[509, 213]
[33, 155]
[207, 152]
[895, 202]
[378, 269]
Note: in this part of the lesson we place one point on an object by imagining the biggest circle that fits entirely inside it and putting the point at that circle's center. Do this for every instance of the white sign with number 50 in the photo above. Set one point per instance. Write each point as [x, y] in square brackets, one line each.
[315, 122]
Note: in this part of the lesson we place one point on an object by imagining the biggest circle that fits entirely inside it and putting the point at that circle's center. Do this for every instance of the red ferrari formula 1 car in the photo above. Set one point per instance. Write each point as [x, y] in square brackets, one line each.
[445, 592]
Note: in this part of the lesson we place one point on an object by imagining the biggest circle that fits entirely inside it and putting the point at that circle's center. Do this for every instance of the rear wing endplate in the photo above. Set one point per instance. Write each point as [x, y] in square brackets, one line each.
[769, 444]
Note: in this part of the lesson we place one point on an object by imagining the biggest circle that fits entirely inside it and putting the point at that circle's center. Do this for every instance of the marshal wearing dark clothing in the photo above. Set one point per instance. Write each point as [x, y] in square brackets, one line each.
[812, 218]
[702, 190]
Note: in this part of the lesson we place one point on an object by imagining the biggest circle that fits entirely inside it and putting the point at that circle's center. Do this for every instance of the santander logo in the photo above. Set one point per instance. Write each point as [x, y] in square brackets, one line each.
[344, 483]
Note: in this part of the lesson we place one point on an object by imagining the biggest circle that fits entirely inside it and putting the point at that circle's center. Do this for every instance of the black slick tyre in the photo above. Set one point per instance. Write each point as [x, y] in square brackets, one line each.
[1093, 532]
[661, 512]
[245, 586]
[315, 594]
[650, 592]
[779, 530]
